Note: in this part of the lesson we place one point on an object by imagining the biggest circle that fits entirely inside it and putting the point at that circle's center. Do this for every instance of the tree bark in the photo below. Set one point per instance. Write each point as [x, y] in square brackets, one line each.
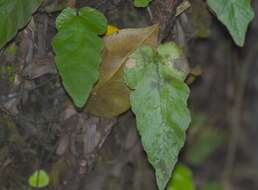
[164, 12]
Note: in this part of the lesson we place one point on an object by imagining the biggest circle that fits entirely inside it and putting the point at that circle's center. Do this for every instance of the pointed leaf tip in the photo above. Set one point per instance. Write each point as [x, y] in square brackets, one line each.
[159, 101]
[78, 51]
[235, 15]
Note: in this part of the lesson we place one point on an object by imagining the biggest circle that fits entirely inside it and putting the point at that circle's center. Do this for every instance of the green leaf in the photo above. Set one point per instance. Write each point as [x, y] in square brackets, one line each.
[235, 15]
[96, 21]
[182, 179]
[141, 3]
[14, 15]
[65, 16]
[159, 101]
[206, 143]
[213, 185]
[39, 179]
[78, 50]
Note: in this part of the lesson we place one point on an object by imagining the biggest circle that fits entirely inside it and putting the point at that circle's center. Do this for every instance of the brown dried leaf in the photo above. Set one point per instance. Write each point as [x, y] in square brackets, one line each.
[110, 96]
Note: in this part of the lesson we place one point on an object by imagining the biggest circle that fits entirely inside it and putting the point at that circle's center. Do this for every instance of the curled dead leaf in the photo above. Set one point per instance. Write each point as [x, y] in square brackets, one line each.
[110, 96]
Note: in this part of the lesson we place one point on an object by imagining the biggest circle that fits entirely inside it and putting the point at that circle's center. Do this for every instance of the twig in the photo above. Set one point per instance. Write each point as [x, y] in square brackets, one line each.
[182, 7]
[164, 12]
[5, 164]
[150, 13]
[234, 117]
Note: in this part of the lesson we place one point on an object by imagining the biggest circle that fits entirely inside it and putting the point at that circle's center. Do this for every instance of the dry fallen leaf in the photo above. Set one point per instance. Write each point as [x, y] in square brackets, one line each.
[110, 96]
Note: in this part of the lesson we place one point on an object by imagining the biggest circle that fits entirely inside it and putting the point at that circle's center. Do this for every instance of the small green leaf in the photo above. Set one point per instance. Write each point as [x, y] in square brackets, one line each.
[78, 51]
[12, 49]
[213, 185]
[159, 101]
[141, 3]
[235, 15]
[14, 15]
[182, 179]
[206, 143]
[39, 179]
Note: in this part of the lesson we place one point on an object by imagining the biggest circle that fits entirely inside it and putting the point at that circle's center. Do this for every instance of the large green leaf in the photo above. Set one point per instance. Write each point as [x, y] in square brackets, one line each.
[78, 50]
[235, 14]
[14, 14]
[159, 101]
